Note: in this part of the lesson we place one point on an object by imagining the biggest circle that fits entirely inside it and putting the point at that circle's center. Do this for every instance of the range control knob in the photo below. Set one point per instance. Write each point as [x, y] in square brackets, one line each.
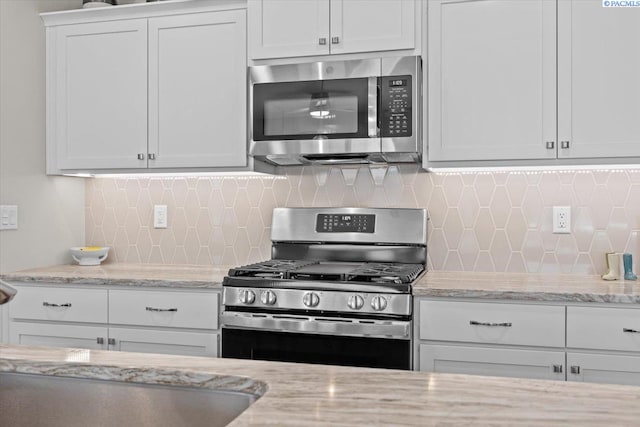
[247, 296]
[310, 299]
[268, 297]
[355, 302]
[378, 303]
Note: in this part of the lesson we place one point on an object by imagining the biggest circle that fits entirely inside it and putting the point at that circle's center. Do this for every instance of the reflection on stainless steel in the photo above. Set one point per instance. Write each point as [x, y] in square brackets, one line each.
[294, 147]
[394, 226]
[6, 292]
[319, 325]
[42, 400]
[337, 291]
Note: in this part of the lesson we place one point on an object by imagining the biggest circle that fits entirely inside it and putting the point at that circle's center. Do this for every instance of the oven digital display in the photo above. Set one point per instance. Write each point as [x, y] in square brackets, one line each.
[340, 223]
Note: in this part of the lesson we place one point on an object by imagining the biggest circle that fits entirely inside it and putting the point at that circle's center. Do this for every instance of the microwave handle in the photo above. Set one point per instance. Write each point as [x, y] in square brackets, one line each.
[373, 96]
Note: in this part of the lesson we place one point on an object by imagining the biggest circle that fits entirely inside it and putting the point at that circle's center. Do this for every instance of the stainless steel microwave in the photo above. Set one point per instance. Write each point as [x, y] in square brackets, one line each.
[336, 112]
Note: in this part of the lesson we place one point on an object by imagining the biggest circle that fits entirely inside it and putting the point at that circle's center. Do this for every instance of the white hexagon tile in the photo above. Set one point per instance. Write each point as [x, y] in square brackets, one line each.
[479, 221]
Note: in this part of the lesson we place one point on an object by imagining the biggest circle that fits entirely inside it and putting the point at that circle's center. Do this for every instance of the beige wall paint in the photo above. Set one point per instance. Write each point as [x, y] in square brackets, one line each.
[51, 216]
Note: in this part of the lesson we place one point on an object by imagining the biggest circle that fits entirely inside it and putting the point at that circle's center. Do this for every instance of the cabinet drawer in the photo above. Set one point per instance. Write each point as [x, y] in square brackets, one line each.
[60, 304]
[490, 323]
[161, 308]
[603, 328]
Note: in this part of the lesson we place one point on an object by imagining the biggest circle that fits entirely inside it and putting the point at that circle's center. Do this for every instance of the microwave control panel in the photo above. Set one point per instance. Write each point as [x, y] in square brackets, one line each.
[341, 223]
[396, 102]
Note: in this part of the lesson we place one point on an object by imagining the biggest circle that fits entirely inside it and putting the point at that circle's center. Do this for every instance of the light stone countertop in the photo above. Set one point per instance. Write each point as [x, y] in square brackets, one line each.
[453, 284]
[317, 395]
[116, 274]
[527, 287]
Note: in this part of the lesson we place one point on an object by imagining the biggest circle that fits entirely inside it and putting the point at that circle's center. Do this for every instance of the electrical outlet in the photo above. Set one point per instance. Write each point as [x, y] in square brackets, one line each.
[160, 216]
[562, 219]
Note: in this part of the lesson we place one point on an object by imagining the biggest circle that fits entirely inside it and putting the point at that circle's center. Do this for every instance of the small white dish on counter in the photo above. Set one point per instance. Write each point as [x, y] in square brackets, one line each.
[89, 255]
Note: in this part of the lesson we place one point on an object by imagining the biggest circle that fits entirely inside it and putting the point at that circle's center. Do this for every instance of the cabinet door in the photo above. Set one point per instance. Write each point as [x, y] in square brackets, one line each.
[164, 342]
[73, 336]
[598, 84]
[197, 90]
[288, 28]
[491, 79]
[97, 91]
[497, 362]
[603, 368]
[361, 26]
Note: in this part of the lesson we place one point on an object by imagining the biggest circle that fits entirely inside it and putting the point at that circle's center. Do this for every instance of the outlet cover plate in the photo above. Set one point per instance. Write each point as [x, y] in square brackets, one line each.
[562, 219]
[8, 217]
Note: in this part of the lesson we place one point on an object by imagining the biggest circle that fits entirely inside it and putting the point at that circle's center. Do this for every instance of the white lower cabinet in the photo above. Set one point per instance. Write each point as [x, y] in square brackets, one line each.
[59, 335]
[491, 338]
[143, 320]
[603, 368]
[497, 362]
[576, 342]
[165, 342]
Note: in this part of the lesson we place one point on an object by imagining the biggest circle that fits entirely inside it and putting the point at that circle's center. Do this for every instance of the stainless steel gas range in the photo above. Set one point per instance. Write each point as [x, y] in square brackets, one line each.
[336, 291]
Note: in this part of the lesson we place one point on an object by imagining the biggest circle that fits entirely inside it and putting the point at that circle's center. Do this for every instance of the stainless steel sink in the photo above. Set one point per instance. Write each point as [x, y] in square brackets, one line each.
[42, 400]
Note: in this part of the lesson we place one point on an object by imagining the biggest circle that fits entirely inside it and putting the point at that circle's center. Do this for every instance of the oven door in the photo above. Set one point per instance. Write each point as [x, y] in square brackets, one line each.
[322, 340]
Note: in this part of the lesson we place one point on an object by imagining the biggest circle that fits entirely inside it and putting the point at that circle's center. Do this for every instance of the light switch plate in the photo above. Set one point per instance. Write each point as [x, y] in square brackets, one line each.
[160, 216]
[8, 217]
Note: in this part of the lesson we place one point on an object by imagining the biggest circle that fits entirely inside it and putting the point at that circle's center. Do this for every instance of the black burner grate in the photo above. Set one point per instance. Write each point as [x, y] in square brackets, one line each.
[390, 273]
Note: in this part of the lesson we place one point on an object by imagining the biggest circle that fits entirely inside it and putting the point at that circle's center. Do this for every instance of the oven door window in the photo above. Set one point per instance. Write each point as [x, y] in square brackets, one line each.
[333, 109]
[311, 348]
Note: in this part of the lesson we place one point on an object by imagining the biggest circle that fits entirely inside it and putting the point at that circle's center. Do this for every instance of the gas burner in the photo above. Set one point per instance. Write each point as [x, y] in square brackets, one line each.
[387, 273]
[271, 269]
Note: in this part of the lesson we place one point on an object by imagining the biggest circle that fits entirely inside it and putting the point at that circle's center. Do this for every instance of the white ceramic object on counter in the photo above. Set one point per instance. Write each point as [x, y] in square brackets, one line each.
[89, 255]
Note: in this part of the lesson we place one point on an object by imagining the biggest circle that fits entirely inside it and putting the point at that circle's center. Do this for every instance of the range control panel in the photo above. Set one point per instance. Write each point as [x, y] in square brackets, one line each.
[396, 107]
[341, 223]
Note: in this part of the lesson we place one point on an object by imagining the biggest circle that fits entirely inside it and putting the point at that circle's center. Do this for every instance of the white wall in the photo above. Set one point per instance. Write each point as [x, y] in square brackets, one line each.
[51, 209]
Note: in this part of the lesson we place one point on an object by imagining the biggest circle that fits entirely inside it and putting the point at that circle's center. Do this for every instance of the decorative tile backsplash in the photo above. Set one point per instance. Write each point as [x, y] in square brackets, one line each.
[479, 221]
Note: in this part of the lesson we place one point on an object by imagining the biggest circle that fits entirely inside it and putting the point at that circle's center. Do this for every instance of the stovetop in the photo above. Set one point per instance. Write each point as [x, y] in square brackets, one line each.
[329, 271]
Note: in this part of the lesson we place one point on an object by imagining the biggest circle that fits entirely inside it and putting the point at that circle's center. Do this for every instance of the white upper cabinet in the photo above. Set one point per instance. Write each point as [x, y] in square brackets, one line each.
[158, 85]
[493, 74]
[281, 28]
[197, 80]
[291, 28]
[491, 79]
[97, 94]
[598, 83]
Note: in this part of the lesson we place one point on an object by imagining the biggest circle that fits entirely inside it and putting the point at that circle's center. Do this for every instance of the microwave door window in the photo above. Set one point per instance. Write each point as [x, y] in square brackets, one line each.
[314, 114]
[303, 110]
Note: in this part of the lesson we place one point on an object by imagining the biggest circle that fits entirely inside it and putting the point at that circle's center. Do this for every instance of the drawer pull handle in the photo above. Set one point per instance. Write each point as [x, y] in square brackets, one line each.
[575, 370]
[476, 323]
[100, 340]
[161, 309]
[632, 331]
[557, 369]
[49, 304]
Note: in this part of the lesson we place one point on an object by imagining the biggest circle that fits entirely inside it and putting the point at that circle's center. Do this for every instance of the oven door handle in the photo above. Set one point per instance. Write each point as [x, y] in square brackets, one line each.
[317, 325]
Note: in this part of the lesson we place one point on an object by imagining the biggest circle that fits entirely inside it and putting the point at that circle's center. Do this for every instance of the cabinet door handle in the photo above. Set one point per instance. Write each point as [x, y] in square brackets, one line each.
[152, 156]
[50, 304]
[503, 324]
[161, 309]
[100, 340]
[564, 144]
[335, 40]
[557, 369]
[140, 156]
[551, 145]
[111, 341]
[631, 331]
[322, 41]
[575, 369]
